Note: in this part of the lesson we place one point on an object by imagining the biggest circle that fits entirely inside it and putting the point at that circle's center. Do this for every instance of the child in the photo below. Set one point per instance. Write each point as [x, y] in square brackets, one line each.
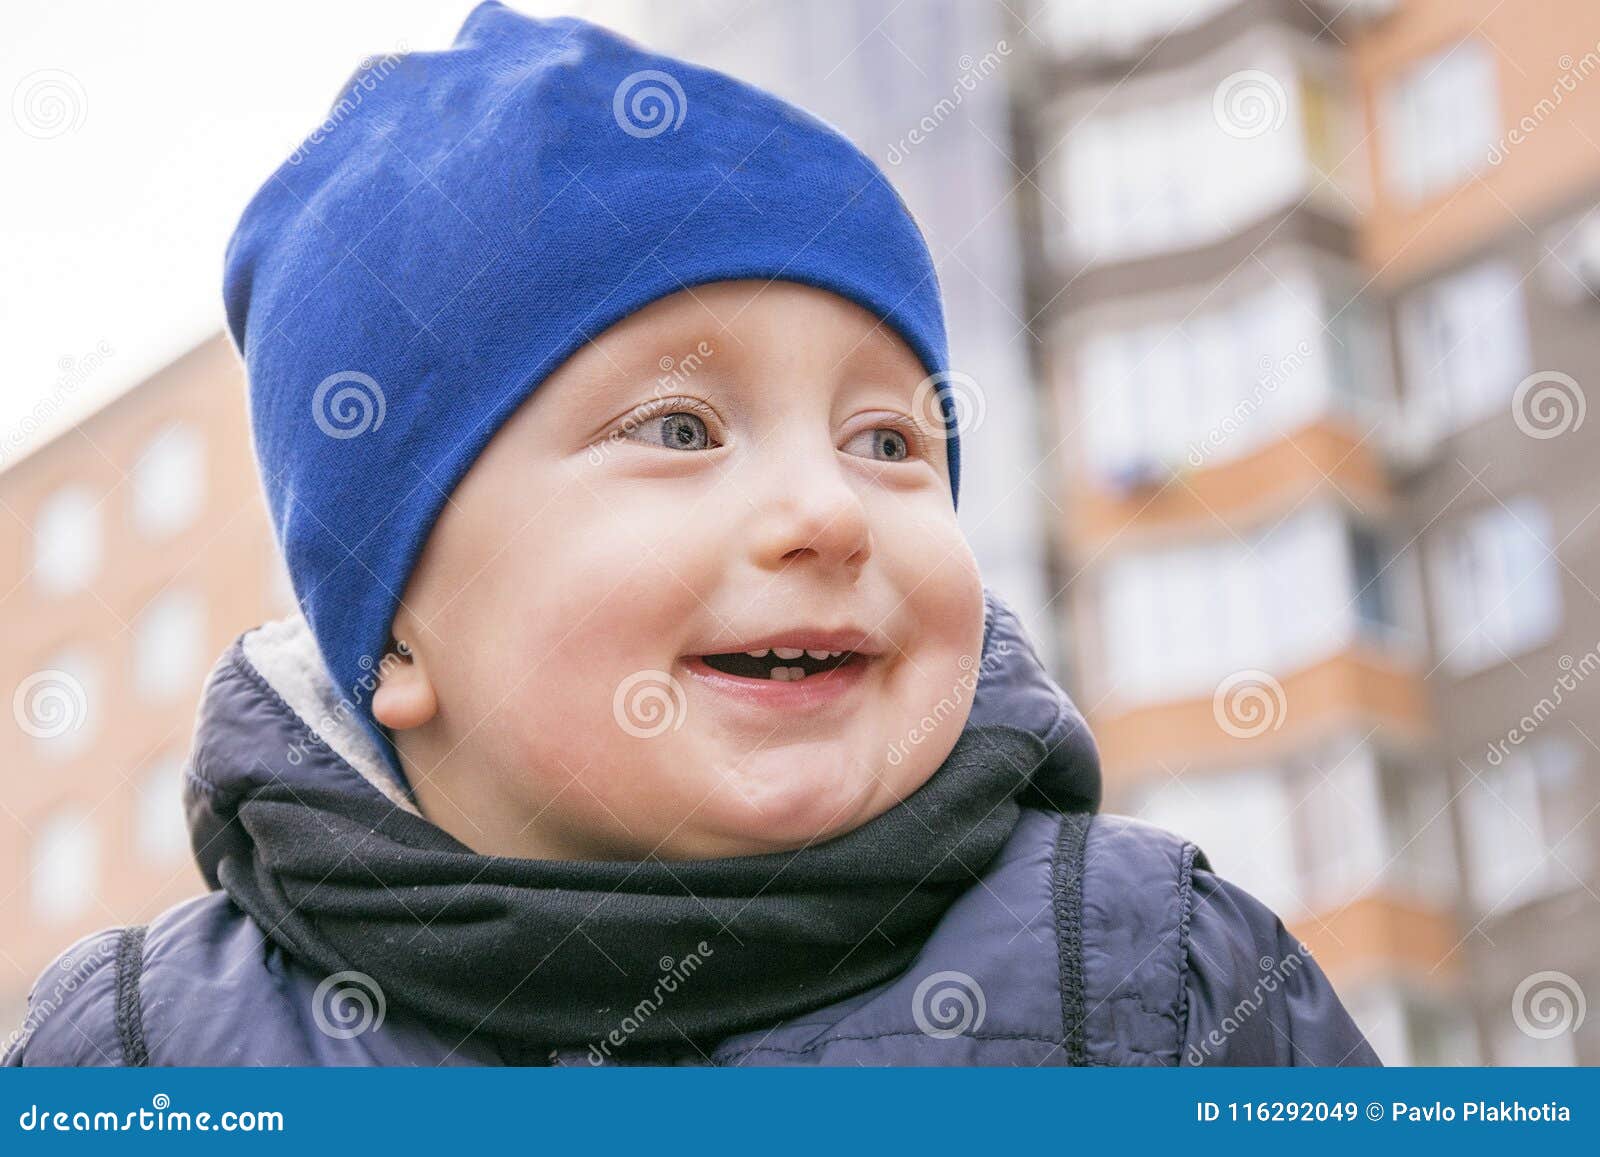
[646, 705]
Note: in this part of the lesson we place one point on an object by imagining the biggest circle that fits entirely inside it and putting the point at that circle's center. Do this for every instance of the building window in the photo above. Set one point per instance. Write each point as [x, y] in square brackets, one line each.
[1165, 397]
[1441, 119]
[1420, 832]
[1465, 345]
[1241, 820]
[1374, 597]
[1368, 822]
[1166, 174]
[1441, 1035]
[1514, 1048]
[1357, 344]
[169, 645]
[161, 832]
[1380, 1014]
[59, 704]
[1340, 807]
[1120, 26]
[66, 866]
[168, 481]
[1406, 1028]
[1514, 835]
[1496, 586]
[67, 540]
[1179, 619]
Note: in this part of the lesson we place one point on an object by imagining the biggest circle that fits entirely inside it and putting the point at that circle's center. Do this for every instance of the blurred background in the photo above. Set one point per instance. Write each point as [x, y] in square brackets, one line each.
[1277, 319]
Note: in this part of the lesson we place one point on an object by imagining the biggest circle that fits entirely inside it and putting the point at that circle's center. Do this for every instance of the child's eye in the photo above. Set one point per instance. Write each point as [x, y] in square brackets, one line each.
[682, 431]
[669, 425]
[884, 443]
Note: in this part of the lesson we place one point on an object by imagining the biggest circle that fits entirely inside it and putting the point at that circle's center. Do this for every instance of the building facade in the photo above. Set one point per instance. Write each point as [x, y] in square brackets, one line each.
[1316, 328]
[135, 547]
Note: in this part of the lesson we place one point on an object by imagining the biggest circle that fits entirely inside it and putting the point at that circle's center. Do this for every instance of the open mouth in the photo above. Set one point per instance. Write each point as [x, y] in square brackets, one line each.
[781, 664]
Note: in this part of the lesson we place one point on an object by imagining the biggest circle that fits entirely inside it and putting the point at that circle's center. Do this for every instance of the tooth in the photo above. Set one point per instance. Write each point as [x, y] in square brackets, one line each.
[761, 654]
[788, 652]
[822, 654]
[788, 674]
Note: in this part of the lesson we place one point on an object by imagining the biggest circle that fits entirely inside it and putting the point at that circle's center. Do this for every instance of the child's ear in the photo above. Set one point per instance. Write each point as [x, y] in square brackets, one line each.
[405, 697]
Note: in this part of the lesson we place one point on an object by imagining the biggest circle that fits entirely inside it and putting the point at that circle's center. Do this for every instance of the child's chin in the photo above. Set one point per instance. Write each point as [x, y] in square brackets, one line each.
[788, 803]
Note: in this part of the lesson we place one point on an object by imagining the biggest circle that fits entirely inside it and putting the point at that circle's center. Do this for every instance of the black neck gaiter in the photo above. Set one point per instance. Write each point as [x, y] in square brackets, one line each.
[550, 953]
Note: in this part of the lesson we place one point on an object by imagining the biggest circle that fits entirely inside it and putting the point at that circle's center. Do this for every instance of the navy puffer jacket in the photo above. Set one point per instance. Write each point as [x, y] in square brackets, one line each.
[1090, 939]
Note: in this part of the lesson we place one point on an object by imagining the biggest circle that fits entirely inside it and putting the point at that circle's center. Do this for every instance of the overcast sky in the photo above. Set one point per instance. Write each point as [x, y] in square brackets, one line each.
[132, 139]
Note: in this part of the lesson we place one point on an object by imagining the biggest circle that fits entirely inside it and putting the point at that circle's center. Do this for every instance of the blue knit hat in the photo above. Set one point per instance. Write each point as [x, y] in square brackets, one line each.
[462, 222]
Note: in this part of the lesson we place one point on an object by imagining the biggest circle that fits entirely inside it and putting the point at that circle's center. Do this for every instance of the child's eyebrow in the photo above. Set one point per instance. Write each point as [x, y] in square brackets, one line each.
[608, 373]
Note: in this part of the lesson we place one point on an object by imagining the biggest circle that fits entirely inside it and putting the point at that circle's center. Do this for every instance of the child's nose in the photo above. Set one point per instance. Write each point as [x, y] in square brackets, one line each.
[811, 511]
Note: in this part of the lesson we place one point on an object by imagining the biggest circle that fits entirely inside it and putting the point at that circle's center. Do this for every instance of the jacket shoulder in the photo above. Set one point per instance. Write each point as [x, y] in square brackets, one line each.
[204, 985]
[1181, 966]
[176, 991]
[71, 1010]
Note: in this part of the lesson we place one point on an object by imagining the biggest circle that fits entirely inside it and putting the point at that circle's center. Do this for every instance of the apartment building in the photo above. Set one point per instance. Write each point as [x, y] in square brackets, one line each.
[1484, 238]
[135, 547]
[1323, 542]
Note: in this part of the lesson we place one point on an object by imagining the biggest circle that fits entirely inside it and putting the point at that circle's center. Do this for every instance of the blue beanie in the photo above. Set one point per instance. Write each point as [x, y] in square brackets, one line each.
[461, 223]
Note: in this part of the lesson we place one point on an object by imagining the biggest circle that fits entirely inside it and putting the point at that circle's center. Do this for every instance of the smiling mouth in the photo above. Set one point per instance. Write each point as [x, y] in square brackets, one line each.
[781, 664]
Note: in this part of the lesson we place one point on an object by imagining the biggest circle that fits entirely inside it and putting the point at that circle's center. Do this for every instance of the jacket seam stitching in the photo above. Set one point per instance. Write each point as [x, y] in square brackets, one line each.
[995, 1036]
[129, 1011]
[1186, 909]
[279, 703]
[1067, 886]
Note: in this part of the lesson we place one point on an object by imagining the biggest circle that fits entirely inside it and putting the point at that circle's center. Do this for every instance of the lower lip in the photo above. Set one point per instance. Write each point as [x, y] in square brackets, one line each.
[813, 693]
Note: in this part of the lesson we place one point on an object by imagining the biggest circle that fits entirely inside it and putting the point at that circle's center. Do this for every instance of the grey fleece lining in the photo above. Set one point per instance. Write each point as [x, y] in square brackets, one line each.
[285, 654]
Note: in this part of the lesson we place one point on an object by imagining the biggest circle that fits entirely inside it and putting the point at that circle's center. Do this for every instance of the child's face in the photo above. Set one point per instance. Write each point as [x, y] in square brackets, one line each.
[735, 464]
